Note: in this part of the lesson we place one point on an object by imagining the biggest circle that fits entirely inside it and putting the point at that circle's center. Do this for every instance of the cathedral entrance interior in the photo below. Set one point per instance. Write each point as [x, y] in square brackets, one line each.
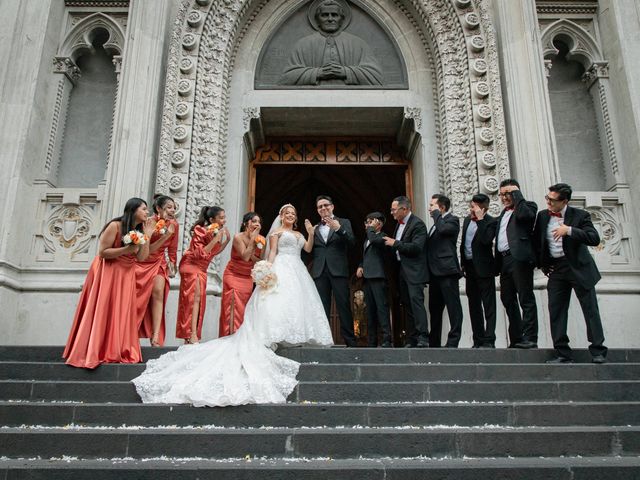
[361, 175]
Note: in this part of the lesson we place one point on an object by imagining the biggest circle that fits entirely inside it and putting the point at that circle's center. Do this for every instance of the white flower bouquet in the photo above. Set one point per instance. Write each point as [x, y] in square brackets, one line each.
[134, 237]
[264, 276]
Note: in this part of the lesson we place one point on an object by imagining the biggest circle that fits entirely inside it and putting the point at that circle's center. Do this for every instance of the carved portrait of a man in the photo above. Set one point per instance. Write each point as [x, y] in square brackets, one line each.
[331, 56]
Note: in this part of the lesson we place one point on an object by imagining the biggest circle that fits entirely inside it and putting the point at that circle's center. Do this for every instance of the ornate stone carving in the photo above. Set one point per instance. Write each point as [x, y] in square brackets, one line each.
[414, 114]
[249, 114]
[596, 71]
[66, 66]
[69, 226]
[454, 59]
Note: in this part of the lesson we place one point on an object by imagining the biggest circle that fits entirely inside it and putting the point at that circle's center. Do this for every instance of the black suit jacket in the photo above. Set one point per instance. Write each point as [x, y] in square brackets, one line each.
[583, 234]
[373, 255]
[442, 256]
[411, 247]
[519, 230]
[481, 245]
[334, 252]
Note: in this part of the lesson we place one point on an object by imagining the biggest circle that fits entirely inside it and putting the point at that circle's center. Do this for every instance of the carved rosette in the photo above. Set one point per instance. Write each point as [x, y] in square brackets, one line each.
[68, 227]
[471, 133]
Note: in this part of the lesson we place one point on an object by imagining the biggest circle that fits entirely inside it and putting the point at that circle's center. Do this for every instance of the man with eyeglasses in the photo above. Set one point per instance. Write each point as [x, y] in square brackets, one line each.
[562, 235]
[408, 246]
[515, 261]
[330, 270]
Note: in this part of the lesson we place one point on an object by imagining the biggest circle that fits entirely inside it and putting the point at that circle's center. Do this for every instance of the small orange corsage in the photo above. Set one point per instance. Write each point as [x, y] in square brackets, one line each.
[261, 242]
[213, 228]
[161, 227]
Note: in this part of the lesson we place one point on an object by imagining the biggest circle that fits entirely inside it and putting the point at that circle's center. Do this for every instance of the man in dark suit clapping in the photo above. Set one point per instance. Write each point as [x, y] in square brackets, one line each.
[478, 267]
[515, 261]
[330, 270]
[408, 247]
[444, 272]
[375, 282]
[562, 234]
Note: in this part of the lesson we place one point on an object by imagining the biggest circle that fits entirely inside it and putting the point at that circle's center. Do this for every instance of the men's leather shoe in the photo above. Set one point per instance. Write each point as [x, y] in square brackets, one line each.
[526, 344]
[487, 345]
[386, 345]
[422, 344]
[409, 345]
[560, 360]
[598, 359]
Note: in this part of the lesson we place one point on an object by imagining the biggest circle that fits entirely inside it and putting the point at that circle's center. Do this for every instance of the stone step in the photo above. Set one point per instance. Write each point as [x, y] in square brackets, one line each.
[359, 355]
[620, 468]
[343, 443]
[317, 415]
[367, 392]
[372, 372]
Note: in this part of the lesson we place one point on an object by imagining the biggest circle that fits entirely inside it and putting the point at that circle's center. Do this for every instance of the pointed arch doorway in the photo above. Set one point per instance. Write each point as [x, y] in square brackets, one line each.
[360, 174]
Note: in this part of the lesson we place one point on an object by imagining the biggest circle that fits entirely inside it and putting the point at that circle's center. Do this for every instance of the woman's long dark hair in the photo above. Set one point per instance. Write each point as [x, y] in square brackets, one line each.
[127, 219]
[160, 200]
[205, 214]
[245, 219]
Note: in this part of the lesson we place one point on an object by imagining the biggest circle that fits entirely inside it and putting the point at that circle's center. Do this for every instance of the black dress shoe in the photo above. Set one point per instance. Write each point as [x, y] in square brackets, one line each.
[422, 344]
[386, 345]
[409, 345]
[598, 359]
[487, 345]
[526, 344]
[560, 360]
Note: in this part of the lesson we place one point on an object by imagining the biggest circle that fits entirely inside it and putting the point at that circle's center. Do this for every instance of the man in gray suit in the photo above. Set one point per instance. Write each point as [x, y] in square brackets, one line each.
[330, 270]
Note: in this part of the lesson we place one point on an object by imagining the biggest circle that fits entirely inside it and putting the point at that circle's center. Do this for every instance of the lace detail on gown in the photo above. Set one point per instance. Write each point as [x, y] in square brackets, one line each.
[242, 368]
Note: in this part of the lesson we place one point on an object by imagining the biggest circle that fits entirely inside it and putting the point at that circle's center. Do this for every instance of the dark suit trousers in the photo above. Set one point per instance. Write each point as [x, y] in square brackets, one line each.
[412, 297]
[516, 286]
[481, 295]
[444, 291]
[561, 282]
[326, 283]
[375, 294]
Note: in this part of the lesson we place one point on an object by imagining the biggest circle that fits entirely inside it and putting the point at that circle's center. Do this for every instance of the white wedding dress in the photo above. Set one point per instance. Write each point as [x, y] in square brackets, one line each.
[243, 368]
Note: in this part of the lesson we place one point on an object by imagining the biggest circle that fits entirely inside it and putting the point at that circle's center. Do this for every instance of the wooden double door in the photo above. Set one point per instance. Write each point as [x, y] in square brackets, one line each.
[360, 175]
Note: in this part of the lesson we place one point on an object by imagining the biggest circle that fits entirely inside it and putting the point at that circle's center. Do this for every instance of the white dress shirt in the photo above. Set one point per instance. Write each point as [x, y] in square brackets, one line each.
[503, 241]
[468, 239]
[555, 246]
[400, 231]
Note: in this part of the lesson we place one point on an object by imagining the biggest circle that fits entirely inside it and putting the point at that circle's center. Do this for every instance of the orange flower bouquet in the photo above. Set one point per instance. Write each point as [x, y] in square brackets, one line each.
[134, 237]
[261, 242]
[213, 228]
[161, 227]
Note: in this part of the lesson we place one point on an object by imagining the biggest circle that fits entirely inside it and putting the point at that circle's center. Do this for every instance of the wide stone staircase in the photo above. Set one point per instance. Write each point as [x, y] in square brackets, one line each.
[356, 414]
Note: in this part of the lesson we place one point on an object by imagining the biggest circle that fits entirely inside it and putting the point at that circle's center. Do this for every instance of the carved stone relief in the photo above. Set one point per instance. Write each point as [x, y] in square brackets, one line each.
[459, 34]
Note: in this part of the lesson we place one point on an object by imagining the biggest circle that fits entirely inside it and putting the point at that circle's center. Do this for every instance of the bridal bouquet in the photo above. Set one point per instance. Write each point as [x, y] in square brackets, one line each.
[161, 227]
[264, 276]
[213, 228]
[134, 237]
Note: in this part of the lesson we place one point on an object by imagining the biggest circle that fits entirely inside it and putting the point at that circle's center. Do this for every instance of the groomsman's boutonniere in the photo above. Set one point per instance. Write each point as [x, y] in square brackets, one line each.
[134, 237]
[161, 227]
[261, 242]
[213, 228]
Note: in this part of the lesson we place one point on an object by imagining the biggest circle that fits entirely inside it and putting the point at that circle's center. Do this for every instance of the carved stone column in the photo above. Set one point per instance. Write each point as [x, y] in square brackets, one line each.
[136, 121]
[527, 108]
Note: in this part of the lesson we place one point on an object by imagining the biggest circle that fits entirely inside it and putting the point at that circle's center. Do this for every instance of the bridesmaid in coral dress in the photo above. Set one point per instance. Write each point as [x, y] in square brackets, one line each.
[105, 326]
[152, 274]
[209, 238]
[237, 284]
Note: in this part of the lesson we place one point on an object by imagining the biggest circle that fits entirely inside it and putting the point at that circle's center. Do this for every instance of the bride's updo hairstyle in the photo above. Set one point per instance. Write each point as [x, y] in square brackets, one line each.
[284, 207]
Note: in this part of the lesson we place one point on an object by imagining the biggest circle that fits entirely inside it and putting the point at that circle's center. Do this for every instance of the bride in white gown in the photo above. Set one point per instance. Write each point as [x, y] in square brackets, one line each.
[242, 368]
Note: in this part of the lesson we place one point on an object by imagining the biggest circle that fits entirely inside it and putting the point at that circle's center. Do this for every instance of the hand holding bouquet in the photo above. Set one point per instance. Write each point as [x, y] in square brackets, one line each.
[261, 242]
[264, 276]
[213, 228]
[134, 237]
[161, 227]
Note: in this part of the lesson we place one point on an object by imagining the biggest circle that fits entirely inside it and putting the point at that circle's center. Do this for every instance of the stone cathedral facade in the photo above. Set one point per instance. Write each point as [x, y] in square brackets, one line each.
[223, 102]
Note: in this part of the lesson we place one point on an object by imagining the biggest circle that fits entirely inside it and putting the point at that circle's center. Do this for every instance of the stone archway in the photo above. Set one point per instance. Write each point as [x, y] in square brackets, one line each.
[472, 146]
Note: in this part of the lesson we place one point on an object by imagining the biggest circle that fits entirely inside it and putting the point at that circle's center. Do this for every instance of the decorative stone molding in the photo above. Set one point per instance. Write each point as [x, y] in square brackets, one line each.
[596, 71]
[414, 114]
[459, 35]
[66, 66]
[78, 39]
[566, 7]
[69, 223]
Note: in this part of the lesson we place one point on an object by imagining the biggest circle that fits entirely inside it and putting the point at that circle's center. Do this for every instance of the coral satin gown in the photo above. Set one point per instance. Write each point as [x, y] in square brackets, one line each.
[193, 271]
[155, 265]
[237, 286]
[105, 326]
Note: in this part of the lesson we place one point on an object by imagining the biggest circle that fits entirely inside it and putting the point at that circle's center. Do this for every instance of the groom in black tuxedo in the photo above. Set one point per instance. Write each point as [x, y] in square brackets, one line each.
[408, 247]
[333, 237]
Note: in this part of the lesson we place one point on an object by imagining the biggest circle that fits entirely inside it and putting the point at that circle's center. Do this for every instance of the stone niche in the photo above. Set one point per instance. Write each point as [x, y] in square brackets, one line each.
[295, 52]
